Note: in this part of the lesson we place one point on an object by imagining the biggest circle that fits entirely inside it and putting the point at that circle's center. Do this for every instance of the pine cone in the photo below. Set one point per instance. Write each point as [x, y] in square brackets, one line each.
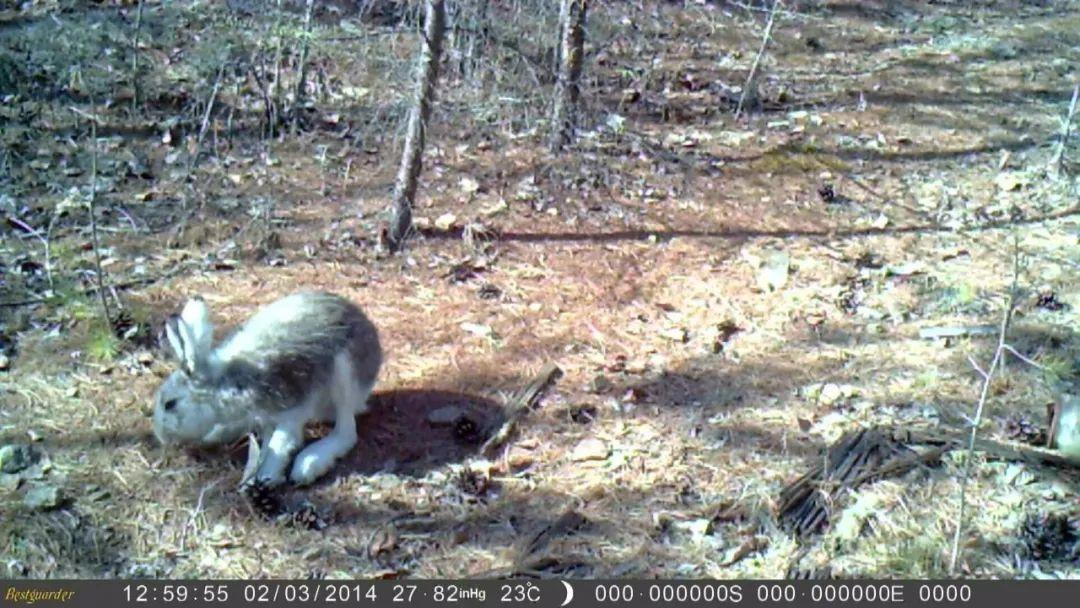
[264, 499]
[1019, 427]
[306, 516]
[467, 431]
[1048, 536]
[473, 483]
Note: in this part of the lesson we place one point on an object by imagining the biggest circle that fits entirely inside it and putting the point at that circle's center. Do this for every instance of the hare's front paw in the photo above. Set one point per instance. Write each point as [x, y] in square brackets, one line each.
[287, 437]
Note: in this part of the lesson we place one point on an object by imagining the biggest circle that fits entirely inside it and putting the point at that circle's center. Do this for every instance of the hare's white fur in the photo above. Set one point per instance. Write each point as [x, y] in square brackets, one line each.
[306, 357]
[1067, 437]
[344, 393]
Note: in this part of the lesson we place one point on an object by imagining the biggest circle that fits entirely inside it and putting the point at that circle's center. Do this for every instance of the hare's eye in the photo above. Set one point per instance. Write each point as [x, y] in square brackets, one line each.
[170, 405]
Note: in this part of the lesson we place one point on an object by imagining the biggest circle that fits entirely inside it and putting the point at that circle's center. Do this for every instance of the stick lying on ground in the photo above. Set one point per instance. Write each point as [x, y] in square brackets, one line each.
[520, 405]
[955, 331]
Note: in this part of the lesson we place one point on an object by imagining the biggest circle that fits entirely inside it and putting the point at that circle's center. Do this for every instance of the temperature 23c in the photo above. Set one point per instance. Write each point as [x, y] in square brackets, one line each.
[520, 592]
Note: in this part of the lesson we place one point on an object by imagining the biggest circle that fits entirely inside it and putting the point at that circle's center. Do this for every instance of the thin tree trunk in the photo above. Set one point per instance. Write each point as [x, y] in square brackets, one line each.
[749, 95]
[301, 83]
[135, 80]
[412, 155]
[572, 17]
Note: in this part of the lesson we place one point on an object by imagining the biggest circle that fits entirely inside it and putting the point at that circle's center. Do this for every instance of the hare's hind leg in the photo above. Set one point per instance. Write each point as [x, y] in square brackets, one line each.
[348, 397]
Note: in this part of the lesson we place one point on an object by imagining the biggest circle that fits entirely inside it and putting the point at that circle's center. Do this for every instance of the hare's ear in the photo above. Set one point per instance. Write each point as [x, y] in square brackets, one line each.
[172, 332]
[191, 335]
[196, 315]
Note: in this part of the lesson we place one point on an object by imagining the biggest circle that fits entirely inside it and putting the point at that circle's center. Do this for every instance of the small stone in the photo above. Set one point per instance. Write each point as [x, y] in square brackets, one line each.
[10, 483]
[145, 358]
[675, 334]
[15, 458]
[773, 273]
[5, 362]
[445, 221]
[445, 416]
[830, 394]
[696, 528]
[601, 384]
[519, 458]
[478, 329]
[43, 498]
[469, 185]
[590, 449]
[1009, 181]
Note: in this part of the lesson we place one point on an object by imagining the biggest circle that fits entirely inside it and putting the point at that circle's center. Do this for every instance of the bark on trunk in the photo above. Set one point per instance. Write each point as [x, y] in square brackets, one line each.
[412, 155]
[572, 17]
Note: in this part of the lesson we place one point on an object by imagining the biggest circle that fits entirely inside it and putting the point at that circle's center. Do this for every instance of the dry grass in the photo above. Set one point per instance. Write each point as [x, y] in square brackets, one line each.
[630, 260]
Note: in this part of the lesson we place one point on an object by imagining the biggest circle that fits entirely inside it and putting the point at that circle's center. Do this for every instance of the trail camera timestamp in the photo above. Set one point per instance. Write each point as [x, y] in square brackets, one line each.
[250, 593]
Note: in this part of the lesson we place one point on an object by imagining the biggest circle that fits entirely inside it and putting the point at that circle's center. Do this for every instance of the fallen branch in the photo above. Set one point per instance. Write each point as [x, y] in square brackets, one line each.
[997, 450]
[18, 303]
[520, 405]
[956, 331]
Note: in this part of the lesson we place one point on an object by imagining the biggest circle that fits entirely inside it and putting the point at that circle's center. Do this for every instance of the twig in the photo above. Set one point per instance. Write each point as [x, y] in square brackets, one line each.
[988, 376]
[192, 523]
[1027, 360]
[520, 405]
[44, 241]
[269, 105]
[1066, 127]
[206, 118]
[18, 303]
[100, 271]
[751, 82]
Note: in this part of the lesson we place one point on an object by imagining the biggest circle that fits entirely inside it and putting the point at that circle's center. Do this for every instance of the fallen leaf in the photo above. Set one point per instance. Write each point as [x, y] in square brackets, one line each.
[445, 221]
[590, 449]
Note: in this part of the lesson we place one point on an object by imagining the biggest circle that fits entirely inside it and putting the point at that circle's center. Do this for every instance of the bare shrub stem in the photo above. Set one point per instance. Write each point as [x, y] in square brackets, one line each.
[996, 364]
[92, 207]
[1066, 127]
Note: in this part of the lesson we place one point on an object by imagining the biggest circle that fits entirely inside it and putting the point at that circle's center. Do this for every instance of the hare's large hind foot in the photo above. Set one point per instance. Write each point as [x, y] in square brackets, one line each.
[285, 440]
[349, 397]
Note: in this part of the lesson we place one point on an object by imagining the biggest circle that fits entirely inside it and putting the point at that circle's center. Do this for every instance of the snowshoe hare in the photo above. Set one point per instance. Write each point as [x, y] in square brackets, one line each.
[309, 356]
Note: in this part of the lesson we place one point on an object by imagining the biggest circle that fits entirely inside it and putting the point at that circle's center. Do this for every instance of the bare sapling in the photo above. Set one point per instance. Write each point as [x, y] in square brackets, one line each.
[412, 154]
[750, 89]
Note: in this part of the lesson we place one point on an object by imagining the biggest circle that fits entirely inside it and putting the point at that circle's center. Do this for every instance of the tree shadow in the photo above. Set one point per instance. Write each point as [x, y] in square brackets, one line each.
[748, 233]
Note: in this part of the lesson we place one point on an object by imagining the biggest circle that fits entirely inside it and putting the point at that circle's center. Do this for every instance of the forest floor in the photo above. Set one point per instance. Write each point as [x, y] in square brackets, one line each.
[725, 297]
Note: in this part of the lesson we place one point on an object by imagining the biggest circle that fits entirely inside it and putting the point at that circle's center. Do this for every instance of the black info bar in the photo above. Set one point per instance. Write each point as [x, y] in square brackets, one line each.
[539, 593]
